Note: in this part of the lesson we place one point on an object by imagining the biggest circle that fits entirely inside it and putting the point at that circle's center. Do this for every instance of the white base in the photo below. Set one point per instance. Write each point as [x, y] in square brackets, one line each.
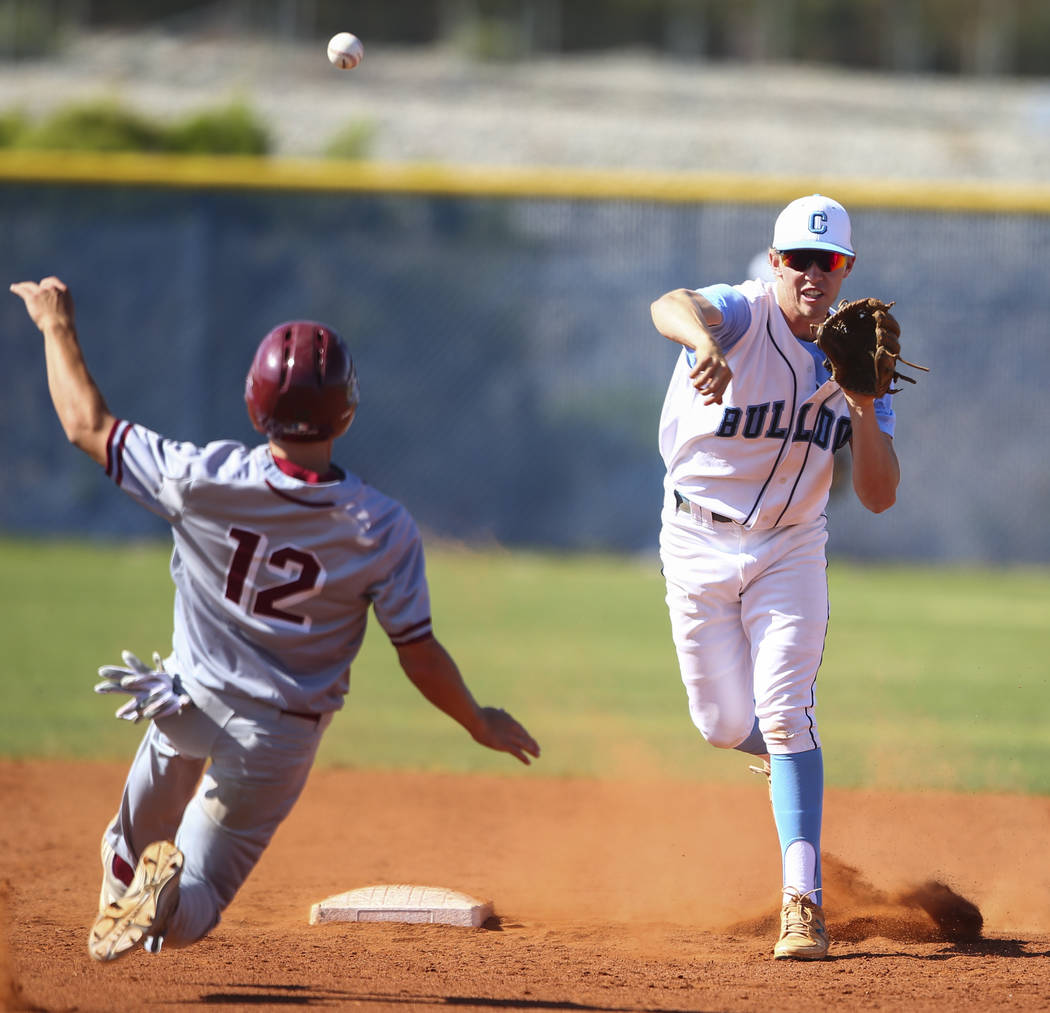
[402, 902]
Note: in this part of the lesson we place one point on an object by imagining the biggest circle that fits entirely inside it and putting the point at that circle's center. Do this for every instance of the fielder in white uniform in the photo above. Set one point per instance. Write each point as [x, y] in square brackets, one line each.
[749, 429]
[278, 556]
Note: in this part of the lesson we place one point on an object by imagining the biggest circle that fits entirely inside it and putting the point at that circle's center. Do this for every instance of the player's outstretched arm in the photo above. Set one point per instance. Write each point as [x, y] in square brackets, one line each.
[684, 316]
[433, 672]
[78, 402]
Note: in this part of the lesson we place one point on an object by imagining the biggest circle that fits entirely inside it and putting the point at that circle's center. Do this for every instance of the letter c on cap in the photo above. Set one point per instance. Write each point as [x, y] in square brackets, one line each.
[818, 223]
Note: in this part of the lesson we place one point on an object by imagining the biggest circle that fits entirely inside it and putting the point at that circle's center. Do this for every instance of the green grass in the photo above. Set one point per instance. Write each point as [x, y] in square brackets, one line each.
[932, 678]
[943, 668]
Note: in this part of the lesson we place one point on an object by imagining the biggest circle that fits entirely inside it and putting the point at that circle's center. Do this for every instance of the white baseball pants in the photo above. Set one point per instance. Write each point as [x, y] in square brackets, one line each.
[749, 614]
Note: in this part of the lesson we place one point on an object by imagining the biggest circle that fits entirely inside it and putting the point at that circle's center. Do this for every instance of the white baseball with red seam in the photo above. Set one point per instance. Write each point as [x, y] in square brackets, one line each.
[345, 50]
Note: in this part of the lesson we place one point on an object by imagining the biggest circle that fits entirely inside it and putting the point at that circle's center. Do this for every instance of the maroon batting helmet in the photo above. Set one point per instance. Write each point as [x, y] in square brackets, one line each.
[302, 385]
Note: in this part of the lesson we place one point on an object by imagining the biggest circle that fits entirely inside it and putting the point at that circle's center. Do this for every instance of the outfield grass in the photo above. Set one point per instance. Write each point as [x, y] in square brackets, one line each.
[932, 677]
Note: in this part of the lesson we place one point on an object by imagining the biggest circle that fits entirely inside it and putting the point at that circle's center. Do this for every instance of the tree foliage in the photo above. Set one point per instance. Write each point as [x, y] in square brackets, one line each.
[948, 36]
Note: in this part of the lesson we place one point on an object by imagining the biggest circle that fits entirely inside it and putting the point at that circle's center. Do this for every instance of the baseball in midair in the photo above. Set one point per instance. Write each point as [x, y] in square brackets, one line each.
[345, 50]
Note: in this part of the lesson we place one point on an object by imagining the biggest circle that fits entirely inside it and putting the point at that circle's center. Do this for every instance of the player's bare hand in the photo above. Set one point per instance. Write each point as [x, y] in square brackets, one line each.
[46, 300]
[501, 732]
[711, 376]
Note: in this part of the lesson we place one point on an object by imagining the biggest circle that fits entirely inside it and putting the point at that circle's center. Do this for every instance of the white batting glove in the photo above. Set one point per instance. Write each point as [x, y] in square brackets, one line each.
[154, 692]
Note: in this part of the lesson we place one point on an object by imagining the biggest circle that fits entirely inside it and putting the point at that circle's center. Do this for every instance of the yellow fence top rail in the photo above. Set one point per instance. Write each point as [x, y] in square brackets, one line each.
[241, 173]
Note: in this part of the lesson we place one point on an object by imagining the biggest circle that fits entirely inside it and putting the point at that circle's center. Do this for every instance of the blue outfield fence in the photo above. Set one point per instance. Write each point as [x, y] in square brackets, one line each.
[511, 377]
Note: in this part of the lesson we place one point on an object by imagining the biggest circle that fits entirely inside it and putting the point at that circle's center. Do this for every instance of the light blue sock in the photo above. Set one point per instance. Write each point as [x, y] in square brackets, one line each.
[797, 785]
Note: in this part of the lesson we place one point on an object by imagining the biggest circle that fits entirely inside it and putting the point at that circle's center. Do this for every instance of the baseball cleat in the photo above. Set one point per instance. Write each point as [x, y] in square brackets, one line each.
[142, 914]
[765, 771]
[802, 932]
[116, 876]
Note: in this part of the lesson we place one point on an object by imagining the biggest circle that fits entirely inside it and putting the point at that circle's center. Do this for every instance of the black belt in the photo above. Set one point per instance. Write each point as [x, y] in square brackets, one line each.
[304, 715]
[682, 503]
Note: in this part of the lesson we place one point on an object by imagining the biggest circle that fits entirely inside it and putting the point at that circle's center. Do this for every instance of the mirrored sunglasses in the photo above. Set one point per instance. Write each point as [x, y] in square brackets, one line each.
[826, 260]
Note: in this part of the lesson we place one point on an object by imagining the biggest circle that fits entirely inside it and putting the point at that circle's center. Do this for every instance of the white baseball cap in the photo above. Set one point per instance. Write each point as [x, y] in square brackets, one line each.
[815, 222]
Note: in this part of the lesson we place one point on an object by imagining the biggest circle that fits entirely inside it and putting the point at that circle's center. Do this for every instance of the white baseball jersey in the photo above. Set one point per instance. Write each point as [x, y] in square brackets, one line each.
[273, 575]
[764, 456]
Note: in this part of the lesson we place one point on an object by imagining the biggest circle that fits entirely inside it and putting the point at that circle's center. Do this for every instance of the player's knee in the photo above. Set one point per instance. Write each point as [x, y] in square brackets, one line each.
[723, 720]
[723, 734]
[720, 740]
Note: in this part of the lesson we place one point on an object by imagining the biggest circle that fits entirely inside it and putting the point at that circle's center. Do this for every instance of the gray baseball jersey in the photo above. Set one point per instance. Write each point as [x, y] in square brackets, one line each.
[273, 575]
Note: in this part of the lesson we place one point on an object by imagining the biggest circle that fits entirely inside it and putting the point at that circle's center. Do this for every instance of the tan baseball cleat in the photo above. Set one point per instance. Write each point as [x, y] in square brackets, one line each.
[802, 932]
[142, 914]
[114, 885]
[765, 770]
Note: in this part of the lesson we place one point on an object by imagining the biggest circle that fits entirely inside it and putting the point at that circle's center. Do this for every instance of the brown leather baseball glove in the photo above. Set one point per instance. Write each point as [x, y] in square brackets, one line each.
[861, 342]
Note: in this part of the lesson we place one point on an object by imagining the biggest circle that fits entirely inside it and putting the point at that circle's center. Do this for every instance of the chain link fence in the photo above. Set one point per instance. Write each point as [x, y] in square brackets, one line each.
[511, 377]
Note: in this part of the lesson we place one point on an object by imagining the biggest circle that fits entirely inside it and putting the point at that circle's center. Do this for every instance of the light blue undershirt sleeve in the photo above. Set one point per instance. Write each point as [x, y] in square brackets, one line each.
[736, 316]
[884, 414]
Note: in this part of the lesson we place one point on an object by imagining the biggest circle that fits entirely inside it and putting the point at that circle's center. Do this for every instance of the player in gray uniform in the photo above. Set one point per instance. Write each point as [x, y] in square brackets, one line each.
[278, 556]
[749, 428]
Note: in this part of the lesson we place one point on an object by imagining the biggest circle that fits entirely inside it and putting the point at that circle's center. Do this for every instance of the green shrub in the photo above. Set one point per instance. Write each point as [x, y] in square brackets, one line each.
[354, 141]
[231, 130]
[12, 124]
[107, 126]
[94, 126]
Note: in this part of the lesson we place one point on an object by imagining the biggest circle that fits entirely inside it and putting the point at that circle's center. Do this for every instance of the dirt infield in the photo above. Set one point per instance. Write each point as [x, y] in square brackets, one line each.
[608, 897]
